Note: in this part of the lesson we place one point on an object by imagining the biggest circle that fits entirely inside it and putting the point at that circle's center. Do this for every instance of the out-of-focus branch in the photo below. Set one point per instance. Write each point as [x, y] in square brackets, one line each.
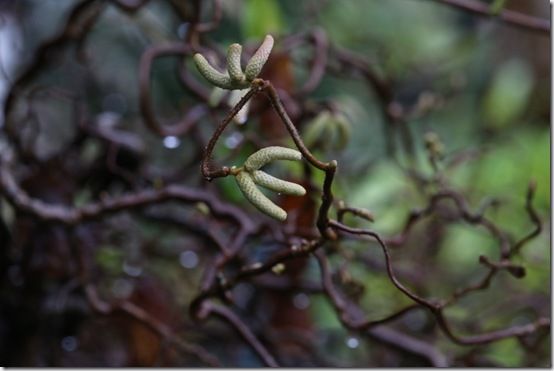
[139, 314]
[436, 308]
[74, 215]
[229, 316]
[533, 215]
[190, 118]
[517, 19]
[409, 344]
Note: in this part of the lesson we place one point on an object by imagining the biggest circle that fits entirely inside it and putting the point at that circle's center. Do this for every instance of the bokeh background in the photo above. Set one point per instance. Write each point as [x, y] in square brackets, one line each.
[480, 85]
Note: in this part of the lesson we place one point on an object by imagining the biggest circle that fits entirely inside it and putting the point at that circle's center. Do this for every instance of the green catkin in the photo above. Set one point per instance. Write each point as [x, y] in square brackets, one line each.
[234, 78]
[257, 198]
[256, 63]
[277, 185]
[233, 63]
[249, 176]
[211, 74]
[268, 154]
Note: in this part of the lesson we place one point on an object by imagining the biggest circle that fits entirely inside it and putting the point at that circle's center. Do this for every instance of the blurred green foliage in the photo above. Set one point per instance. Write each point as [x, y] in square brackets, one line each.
[508, 94]
[261, 18]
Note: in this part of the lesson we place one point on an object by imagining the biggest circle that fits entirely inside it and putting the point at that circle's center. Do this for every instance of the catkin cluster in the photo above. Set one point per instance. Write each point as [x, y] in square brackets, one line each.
[249, 176]
[234, 78]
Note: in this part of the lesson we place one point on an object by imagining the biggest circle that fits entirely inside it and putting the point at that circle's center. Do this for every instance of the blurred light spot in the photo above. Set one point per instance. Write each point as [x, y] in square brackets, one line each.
[69, 343]
[132, 270]
[301, 301]
[278, 268]
[242, 116]
[122, 288]
[188, 259]
[233, 140]
[256, 265]
[114, 102]
[171, 142]
[108, 119]
[352, 342]
[11, 46]
[182, 30]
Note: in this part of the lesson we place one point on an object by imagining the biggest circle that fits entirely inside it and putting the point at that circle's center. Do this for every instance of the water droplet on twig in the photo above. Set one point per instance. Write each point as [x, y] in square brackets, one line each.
[171, 142]
[188, 259]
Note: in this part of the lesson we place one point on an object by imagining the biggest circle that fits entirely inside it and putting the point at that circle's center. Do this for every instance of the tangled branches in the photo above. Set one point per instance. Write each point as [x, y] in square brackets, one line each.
[62, 199]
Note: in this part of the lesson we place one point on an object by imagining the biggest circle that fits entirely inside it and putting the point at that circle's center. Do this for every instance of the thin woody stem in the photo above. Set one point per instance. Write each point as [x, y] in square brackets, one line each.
[517, 19]
[437, 308]
[210, 173]
[271, 93]
[229, 316]
[329, 168]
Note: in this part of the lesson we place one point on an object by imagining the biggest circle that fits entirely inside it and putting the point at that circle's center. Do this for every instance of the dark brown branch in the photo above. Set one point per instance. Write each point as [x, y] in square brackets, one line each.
[489, 337]
[278, 106]
[409, 344]
[151, 322]
[515, 270]
[358, 231]
[318, 65]
[193, 114]
[207, 171]
[74, 215]
[229, 316]
[214, 22]
[79, 22]
[357, 211]
[374, 329]
[476, 218]
[130, 5]
[510, 17]
[534, 216]
[437, 309]
[212, 288]
[329, 168]
[346, 311]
